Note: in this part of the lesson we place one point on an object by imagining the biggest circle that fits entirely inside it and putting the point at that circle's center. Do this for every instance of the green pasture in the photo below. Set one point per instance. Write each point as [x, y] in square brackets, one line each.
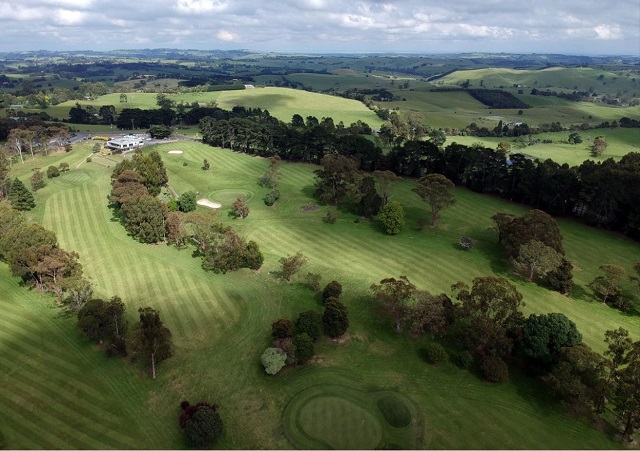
[283, 103]
[554, 78]
[621, 142]
[457, 109]
[59, 391]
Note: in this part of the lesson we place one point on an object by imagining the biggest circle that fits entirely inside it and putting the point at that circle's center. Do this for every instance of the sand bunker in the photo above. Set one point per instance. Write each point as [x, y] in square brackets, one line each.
[208, 203]
[175, 151]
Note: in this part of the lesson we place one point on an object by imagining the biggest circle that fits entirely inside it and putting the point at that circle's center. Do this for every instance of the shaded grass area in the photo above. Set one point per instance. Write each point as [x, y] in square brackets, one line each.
[220, 323]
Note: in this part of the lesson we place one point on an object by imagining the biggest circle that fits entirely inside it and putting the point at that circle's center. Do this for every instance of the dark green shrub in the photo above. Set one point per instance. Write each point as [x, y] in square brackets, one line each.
[271, 197]
[187, 202]
[282, 328]
[52, 172]
[304, 348]
[463, 359]
[331, 216]
[394, 411]
[310, 323]
[201, 423]
[172, 205]
[332, 290]
[494, 369]
[335, 318]
[434, 353]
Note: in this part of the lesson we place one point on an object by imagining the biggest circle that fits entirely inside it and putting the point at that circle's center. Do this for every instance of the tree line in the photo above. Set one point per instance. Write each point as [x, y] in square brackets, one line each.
[603, 193]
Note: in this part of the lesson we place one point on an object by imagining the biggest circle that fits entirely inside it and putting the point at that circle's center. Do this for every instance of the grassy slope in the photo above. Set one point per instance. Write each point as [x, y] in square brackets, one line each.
[220, 323]
[563, 78]
[282, 103]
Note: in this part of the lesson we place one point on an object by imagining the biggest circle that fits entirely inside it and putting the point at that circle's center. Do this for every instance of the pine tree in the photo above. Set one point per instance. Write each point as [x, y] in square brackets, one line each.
[20, 197]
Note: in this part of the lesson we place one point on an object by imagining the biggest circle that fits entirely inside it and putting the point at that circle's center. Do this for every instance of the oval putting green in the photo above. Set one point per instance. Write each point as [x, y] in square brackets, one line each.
[340, 423]
[339, 417]
[226, 197]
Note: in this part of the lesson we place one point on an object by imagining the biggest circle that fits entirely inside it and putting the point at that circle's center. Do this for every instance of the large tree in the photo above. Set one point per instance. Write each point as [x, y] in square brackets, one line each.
[20, 197]
[536, 259]
[392, 218]
[201, 423]
[335, 318]
[5, 169]
[337, 179]
[393, 297]
[144, 218]
[151, 338]
[384, 182]
[544, 335]
[430, 313]
[627, 392]
[488, 311]
[608, 284]
[291, 264]
[580, 379]
[438, 192]
[533, 225]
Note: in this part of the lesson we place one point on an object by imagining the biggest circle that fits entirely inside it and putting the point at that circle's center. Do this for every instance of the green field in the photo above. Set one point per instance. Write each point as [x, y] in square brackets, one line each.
[59, 391]
[621, 142]
[282, 103]
[554, 78]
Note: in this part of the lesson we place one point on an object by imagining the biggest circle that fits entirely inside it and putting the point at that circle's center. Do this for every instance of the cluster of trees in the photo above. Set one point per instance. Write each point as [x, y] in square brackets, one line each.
[34, 137]
[222, 249]
[533, 245]
[293, 341]
[607, 286]
[486, 328]
[301, 140]
[339, 181]
[33, 254]
[602, 193]
[497, 98]
[105, 323]
[135, 184]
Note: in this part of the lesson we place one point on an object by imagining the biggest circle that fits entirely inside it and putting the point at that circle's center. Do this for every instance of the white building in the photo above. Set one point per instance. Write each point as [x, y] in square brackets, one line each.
[124, 143]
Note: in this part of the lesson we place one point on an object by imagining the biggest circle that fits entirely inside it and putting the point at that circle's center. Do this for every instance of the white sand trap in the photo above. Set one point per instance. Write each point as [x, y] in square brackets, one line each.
[176, 152]
[208, 203]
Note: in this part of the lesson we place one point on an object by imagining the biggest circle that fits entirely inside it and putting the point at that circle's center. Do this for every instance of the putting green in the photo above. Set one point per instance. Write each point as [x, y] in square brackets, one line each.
[340, 417]
[228, 196]
[340, 423]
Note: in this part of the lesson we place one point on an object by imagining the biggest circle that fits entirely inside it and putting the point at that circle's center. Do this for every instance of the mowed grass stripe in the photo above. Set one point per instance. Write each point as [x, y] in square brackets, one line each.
[95, 432]
[54, 369]
[21, 421]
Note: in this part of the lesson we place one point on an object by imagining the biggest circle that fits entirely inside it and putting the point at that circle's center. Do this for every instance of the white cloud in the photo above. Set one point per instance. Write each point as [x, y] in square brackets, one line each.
[326, 25]
[68, 17]
[70, 3]
[226, 36]
[200, 6]
[12, 12]
[608, 32]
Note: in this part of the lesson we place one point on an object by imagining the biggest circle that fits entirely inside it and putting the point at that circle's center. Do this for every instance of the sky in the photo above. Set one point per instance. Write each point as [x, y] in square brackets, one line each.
[585, 27]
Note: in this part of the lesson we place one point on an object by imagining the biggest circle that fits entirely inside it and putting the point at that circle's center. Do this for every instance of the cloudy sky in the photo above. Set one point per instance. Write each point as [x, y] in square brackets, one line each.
[316, 26]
